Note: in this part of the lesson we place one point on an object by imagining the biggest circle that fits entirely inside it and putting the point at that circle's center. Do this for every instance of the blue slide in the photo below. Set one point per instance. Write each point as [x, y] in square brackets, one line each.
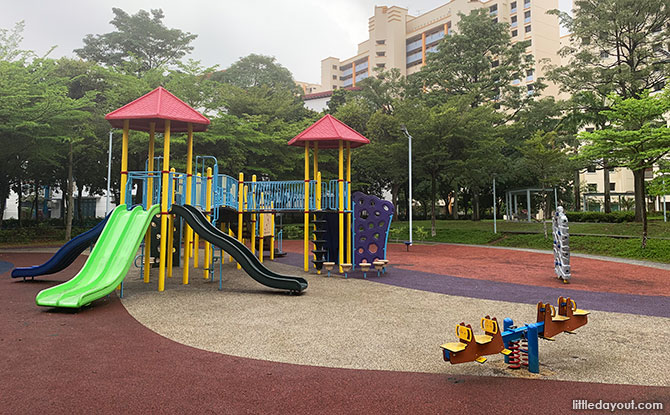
[65, 255]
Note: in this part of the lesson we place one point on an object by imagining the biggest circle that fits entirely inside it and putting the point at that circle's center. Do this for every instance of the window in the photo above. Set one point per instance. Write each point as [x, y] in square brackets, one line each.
[658, 86]
[381, 42]
[514, 21]
[335, 67]
[531, 89]
[649, 173]
[589, 130]
[591, 168]
[381, 65]
[526, 4]
[529, 75]
[516, 82]
[512, 7]
[604, 54]
[526, 17]
[381, 53]
[495, 63]
[495, 20]
[335, 77]
[530, 43]
[515, 33]
[592, 187]
[612, 187]
[493, 10]
[527, 29]
[334, 86]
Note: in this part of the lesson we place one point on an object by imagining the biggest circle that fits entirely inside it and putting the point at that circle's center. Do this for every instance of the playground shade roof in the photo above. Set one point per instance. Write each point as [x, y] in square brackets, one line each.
[328, 131]
[156, 106]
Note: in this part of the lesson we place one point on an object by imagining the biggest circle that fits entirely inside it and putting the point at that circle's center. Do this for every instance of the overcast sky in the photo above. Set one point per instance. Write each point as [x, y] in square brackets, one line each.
[299, 33]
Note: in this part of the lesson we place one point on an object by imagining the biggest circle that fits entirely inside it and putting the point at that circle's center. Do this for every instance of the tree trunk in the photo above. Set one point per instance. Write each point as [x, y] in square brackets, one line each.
[80, 195]
[20, 201]
[640, 208]
[433, 231]
[454, 206]
[578, 201]
[394, 194]
[70, 196]
[36, 202]
[475, 205]
[545, 198]
[606, 179]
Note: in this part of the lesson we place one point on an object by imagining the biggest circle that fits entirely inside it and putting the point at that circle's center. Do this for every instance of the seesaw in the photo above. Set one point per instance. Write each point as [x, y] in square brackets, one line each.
[518, 344]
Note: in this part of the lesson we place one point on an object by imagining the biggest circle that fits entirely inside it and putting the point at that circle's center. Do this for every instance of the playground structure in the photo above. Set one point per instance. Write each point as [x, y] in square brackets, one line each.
[520, 345]
[201, 203]
[561, 234]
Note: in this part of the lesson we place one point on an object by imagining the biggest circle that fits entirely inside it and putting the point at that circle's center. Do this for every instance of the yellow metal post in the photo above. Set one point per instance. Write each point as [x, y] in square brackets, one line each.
[246, 202]
[253, 215]
[170, 257]
[261, 230]
[232, 234]
[150, 197]
[340, 205]
[164, 205]
[189, 180]
[314, 172]
[240, 208]
[272, 230]
[317, 202]
[196, 237]
[306, 209]
[208, 211]
[124, 161]
[349, 224]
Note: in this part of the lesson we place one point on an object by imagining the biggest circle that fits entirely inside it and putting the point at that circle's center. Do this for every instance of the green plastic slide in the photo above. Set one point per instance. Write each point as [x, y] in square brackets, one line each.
[109, 262]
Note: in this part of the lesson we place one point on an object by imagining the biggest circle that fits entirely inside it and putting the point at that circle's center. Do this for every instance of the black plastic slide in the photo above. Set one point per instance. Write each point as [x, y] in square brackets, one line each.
[252, 265]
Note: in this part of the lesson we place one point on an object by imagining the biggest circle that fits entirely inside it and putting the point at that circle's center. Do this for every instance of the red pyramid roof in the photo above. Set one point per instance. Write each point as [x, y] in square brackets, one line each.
[155, 106]
[327, 132]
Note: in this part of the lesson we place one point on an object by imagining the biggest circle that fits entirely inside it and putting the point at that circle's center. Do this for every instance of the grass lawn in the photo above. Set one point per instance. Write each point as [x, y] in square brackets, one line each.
[481, 233]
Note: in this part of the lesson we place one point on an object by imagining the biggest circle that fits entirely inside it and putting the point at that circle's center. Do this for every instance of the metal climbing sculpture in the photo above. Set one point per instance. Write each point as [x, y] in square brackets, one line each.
[561, 245]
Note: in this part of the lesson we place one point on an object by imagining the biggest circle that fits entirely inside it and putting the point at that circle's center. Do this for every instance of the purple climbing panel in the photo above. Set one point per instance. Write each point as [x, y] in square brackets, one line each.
[371, 222]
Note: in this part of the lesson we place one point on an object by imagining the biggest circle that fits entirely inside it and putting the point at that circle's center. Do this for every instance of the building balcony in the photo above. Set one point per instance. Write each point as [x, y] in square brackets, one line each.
[414, 57]
[414, 45]
[434, 37]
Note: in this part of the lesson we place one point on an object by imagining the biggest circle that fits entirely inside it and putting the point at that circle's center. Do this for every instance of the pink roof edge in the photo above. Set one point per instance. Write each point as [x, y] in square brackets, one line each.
[328, 131]
[153, 106]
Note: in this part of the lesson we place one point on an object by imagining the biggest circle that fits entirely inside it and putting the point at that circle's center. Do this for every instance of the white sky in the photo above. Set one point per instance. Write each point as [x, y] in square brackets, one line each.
[299, 33]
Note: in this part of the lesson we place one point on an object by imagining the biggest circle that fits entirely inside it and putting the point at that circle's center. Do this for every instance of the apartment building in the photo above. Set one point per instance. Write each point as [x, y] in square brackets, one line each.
[400, 40]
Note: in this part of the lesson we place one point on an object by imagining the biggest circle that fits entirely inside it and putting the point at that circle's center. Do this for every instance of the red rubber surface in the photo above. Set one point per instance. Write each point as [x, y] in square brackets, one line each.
[520, 267]
[101, 360]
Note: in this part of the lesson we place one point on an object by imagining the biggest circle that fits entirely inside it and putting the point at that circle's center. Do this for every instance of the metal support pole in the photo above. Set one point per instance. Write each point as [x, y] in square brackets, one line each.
[495, 219]
[555, 198]
[409, 137]
[533, 349]
[665, 216]
[528, 202]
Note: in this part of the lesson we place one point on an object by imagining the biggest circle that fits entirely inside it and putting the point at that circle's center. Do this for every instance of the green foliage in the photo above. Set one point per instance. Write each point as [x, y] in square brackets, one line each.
[140, 44]
[615, 46]
[480, 62]
[258, 70]
[637, 138]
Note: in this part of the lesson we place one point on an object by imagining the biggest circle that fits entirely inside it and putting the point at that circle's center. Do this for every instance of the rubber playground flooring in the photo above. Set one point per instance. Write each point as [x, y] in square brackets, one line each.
[344, 346]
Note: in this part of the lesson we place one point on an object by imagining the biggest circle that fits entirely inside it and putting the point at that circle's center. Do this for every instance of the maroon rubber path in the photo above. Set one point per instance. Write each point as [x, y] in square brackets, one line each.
[521, 267]
[101, 360]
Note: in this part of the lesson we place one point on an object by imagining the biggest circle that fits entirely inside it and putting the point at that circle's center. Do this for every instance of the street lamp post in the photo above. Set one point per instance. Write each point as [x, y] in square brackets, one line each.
[495, 218]
[404, 130]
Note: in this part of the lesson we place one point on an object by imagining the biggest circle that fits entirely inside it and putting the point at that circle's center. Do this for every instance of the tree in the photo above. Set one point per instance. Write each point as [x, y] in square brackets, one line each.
[258, 70]
[617, 46]
[141, 43]
[637, 139]
[544, 158]
[480, 62]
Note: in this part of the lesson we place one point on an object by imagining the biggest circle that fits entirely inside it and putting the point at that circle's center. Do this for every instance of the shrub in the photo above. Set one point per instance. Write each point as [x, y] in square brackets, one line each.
[601, 217]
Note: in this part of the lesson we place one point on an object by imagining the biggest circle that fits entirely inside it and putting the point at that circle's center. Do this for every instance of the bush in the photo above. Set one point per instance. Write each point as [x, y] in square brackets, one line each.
[292, 232]
[601, 217]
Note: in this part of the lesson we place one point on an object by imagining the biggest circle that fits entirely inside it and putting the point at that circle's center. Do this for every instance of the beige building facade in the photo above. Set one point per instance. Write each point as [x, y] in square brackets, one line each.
[400, 40]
